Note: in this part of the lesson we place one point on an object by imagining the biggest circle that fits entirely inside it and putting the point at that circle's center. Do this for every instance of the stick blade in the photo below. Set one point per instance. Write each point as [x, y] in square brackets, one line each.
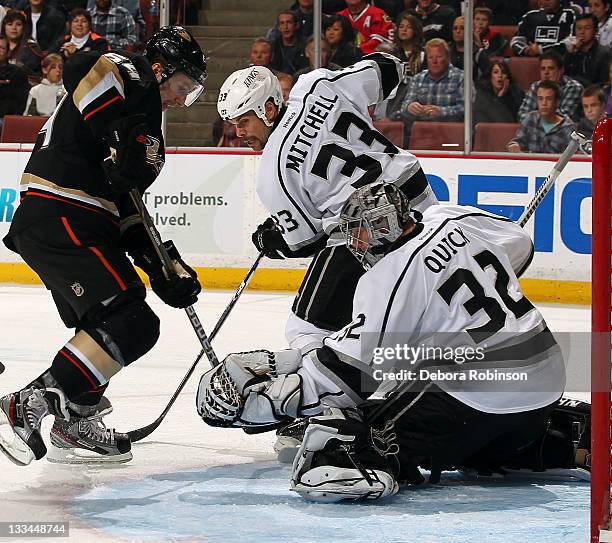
[141, 433]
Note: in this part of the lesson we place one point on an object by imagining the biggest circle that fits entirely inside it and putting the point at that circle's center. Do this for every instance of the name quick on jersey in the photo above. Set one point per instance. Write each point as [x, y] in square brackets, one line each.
[317, 113]
[445, 250]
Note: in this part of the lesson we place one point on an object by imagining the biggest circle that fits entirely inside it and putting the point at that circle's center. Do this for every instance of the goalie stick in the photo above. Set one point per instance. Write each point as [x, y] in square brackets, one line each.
[141, 433]
[577, 141]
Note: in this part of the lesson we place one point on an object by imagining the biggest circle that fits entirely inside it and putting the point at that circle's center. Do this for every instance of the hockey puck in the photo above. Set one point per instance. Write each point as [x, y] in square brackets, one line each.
[2, 368]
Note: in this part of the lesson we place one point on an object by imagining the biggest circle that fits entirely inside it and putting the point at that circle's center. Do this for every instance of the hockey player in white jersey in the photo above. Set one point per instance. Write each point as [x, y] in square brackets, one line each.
[467, 372]
[317, 149]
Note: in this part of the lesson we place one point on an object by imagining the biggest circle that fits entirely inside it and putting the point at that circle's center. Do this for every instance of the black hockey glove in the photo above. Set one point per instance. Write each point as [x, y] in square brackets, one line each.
[127, 168]
[182, 289]
[268, 238]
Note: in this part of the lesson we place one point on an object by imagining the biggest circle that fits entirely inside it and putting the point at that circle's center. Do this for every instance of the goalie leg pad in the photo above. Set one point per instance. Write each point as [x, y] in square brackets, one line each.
[337, 461]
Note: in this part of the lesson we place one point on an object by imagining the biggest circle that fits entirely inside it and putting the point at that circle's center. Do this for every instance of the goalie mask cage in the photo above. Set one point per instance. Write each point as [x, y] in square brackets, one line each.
[601, 346]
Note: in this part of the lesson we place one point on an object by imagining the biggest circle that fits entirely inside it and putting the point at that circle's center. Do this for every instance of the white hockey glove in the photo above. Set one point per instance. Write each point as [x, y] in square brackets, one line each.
[252, 390]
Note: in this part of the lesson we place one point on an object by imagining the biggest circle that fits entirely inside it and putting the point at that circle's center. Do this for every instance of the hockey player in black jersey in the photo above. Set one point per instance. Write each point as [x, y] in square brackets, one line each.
[464, 371]
[543, 29]
[74, 227]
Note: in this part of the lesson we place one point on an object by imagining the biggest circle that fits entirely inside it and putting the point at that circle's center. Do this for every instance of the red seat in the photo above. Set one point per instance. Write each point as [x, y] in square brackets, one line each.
[437, 136]
[524, 70]
[493, 137]
[392, 130]
[21, 129]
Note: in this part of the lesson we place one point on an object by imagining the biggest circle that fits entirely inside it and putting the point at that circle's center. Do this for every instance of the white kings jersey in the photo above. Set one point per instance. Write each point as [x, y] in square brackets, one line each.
[325, 146]
[446, 302]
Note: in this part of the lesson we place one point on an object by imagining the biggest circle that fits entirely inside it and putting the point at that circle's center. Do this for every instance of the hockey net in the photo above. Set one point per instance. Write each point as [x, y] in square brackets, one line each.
[601, 346]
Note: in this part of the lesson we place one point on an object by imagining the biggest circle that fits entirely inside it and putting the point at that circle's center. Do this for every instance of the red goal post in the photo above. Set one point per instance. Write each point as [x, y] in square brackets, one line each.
[601, 346]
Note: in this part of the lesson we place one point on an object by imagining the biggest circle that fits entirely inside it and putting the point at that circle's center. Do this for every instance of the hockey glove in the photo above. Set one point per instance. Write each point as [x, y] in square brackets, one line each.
[244, 392]
[127, 166]
[182, 289]
[268, 238]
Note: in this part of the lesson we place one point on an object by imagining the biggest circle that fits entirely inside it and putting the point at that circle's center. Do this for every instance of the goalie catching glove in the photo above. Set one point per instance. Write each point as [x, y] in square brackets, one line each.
[181, 289]
[252, 390]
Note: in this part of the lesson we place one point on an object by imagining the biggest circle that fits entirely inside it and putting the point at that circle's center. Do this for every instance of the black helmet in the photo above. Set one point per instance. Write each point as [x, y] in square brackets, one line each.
[181, 52]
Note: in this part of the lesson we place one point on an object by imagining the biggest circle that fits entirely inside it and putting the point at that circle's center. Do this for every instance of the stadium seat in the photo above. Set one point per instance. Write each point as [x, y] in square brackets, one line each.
[493, 137]
[392, 130]
[436, 136]
[508, 32]
[524, 70]
[21, 129]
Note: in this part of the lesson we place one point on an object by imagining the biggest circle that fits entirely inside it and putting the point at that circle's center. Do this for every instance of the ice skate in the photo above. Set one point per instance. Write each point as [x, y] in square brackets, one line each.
[20, 416]
[85, 439]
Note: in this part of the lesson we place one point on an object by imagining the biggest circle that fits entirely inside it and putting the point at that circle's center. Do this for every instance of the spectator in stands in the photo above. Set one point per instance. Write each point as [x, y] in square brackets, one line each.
[310, 55]
[544, 130]
[586, 60]
[410, 42]
[133, 6]
[115, 24]
[304, 13]
[435, 94]
[288, 56]
[44, 97]
[286, 84]
[457, 49]
[484, 36]
[437, 19]
[543, 29]
[372, 25]
[81, 38]
[551, 69]
[23, 51]
[602, 10]
[593, 108]
[341, 38]
[261, 52]
[14, 85]
[47, 24]
[224, 134]
[497, 98]
[506, 12]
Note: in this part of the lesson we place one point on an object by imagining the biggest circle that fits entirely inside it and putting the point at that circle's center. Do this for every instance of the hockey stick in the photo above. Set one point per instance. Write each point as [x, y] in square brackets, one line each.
[141, 433]
[578, 140]
[161, 251]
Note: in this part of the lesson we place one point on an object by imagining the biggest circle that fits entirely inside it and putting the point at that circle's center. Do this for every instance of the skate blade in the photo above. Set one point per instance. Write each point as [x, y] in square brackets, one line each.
[11, 444]
[56, 455]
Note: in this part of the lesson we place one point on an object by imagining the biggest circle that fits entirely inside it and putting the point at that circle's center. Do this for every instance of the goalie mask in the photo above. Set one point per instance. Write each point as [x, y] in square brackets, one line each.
[249, 90]
[372, 219]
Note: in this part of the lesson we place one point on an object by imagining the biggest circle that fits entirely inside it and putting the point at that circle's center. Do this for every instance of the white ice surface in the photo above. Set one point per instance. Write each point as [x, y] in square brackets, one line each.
[190, 482]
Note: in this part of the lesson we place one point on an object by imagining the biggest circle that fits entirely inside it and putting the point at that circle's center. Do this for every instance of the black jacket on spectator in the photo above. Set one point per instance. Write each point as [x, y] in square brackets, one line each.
[590, 66]
[94, 43]
[51, 25]
[438, 23]
[548, 30]
[489, 108]
[14, 94]
[506, 12]
[346, 55]
[306, 21]
[481, 60]
[27, 56]
[288, 59]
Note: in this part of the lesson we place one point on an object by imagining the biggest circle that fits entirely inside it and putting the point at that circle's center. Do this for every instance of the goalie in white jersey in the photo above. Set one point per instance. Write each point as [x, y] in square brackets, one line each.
[317, 149]
[443, 282]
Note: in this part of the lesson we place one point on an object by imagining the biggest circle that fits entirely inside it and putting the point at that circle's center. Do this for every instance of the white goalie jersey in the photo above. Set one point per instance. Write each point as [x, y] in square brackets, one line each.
[445, 306]
[324, 146]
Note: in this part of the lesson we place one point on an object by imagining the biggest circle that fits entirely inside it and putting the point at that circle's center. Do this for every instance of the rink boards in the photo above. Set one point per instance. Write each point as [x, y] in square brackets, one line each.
[205, 201]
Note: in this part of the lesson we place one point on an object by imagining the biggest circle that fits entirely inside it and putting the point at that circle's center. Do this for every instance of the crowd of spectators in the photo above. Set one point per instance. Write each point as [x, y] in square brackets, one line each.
[38, 36]
[566, 42]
